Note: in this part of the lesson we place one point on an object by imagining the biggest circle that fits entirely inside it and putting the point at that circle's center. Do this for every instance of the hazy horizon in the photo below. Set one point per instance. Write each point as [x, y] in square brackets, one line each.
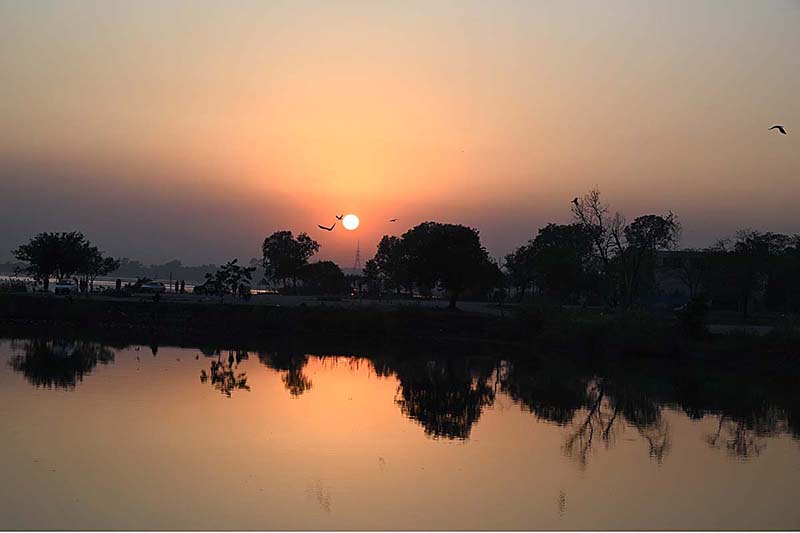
[192, 130]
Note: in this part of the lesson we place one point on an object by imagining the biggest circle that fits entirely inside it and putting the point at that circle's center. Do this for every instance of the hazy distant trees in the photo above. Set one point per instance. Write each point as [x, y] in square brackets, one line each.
[63, 255]
[285, 256]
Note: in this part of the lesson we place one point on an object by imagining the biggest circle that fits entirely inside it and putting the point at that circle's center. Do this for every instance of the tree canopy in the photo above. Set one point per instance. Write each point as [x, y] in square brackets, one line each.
[63, 255]
[285, 256]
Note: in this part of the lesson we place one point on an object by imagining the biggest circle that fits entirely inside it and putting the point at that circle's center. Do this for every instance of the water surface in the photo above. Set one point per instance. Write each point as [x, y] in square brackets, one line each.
[146, 437]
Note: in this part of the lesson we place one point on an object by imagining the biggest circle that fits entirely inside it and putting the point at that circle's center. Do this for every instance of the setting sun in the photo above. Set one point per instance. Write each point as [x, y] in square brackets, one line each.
[350, 222]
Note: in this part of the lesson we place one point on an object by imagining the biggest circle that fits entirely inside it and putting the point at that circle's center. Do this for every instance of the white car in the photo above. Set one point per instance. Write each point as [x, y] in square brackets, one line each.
[153, 286]
[65, 286]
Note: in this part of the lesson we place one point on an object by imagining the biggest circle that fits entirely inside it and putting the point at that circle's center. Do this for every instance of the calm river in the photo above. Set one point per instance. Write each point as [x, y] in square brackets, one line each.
[139, 437]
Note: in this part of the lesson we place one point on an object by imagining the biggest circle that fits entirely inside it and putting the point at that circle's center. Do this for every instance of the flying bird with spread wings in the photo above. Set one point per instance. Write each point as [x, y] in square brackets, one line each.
[339, 217]
[779, 128]
[326, 228]
[392, 220]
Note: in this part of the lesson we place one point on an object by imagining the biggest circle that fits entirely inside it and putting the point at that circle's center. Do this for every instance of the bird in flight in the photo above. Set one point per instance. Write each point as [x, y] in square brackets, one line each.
[327, 228]
[339, 217]
[392, 220]
[780, 128]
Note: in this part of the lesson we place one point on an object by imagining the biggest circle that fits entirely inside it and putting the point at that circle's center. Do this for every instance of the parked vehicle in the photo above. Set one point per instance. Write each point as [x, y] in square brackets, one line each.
[208, 287]
[65, 286]
[153, 287]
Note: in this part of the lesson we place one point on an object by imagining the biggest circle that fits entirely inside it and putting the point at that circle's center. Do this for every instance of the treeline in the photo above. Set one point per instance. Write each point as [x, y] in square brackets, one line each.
[130, 268]
[598, 259]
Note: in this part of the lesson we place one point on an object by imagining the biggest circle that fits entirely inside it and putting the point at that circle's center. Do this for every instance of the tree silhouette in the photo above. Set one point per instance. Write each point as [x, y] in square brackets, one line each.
[391, 263]
[450, 256]
[62, 255]
[324, 277]
[284, 256]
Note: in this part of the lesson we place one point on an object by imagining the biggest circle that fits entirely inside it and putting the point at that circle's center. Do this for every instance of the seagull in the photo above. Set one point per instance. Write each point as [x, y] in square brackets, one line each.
[780, 128]
[339, 217]
[392, 220]
[327, 228]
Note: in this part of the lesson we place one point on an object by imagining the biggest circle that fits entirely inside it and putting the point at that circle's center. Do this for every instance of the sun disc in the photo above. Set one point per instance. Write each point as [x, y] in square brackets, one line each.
[350, 222]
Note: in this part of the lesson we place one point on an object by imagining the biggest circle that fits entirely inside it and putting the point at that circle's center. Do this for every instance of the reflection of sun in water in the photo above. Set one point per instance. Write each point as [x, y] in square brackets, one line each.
[350, 222]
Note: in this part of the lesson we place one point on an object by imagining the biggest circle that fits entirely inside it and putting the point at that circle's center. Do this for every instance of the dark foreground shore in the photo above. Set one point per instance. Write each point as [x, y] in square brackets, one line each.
[372, 329]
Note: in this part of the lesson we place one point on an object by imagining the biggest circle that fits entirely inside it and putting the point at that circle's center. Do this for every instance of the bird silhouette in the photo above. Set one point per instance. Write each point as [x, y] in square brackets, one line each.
[327, 228]
[575, 200]
[392, 220]
[780, 128]
[339, 217]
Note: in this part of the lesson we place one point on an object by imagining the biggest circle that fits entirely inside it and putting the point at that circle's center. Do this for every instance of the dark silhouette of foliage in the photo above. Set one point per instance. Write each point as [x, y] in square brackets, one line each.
[324, 277]
[372, 278]
[625, 252]
[62, 255]
[285, 256]
[392, 264]
[449, 256]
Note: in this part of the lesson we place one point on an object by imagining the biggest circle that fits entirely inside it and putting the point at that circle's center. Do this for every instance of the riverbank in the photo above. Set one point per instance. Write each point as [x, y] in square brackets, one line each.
[354, 326]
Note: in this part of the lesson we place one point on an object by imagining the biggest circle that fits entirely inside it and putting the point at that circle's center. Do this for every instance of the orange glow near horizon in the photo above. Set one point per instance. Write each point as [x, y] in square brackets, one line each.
[213, 127]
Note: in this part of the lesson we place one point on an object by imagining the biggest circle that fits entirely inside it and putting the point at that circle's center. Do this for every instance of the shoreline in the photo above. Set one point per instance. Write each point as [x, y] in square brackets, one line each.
[369, 328]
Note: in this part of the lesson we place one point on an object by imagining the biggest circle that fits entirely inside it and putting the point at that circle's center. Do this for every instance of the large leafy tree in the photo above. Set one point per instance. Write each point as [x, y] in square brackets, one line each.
[284, 256]
[520, 268]
[94, 265]
[562, 259]
[372, 277]
[391, 263]
[324, 277]
[62, 255]
[449, 256]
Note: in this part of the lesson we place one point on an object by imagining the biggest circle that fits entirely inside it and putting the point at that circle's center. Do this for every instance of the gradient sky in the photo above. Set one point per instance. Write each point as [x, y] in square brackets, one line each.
[192, 130]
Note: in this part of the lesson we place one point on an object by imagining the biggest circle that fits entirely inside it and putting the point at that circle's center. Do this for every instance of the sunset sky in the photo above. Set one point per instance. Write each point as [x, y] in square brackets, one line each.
[192, 130]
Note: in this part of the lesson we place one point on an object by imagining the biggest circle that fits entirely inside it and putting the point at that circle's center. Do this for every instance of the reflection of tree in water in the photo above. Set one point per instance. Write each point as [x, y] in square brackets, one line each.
[608, 410]
[222, 373]
[444, 396]
[745, 436]
[595, 409]
[58, 364]
[554, 396]
[291, 366]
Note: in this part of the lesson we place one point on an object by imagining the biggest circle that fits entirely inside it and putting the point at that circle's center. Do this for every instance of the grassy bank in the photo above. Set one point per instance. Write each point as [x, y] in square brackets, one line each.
[528, 330]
